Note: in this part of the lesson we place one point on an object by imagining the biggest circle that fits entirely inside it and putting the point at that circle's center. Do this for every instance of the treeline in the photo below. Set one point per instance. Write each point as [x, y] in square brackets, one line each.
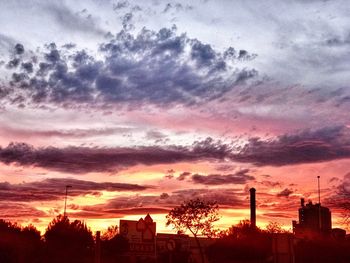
[64, 241]
[68, 241]
[243, 244]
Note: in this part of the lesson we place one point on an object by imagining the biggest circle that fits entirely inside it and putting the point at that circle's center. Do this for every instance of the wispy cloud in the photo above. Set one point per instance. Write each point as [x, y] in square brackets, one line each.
[53, 189]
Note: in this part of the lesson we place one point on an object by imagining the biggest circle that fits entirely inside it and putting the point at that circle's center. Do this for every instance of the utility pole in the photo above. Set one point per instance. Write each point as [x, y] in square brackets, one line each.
[65, 200]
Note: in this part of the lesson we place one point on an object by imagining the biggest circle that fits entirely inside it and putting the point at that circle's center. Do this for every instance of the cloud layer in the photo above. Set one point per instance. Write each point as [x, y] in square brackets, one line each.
[53, 189]
[308, 146]
[159, 68]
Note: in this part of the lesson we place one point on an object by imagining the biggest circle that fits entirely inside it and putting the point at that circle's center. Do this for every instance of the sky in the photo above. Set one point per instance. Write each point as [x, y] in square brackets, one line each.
[141, 106]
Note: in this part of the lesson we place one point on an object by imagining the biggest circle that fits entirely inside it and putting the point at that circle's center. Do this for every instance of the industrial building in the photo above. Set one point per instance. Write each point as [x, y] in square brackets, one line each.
[315, 221]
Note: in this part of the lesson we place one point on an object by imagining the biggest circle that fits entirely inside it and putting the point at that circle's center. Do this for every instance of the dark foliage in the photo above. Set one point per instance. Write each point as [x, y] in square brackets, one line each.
[241, 243]
[69, 242]
[19, 244]
[196, 216]
[322, 251]
[113, 250]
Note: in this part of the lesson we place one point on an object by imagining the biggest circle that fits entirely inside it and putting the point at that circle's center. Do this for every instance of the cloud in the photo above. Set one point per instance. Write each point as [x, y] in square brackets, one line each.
[225, 197]
[160, 204]
[183, 176]
[84, 159]
[19, 49]
[78, 21]
[240, 177]
[156, 136]
[278, 215]
[309, 146]
[285, 193]
[18, 210]
[120, 5]
[158, 68]
[6, 42]
[113, 213]
[68, 133]
[176, 7]
[53, 189]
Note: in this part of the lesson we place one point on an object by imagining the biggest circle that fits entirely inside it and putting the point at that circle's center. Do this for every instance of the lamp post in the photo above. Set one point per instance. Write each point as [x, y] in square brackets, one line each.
[65, 200]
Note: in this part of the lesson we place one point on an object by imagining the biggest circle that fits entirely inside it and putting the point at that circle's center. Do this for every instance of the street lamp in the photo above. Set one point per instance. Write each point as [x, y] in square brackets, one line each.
[65, 200]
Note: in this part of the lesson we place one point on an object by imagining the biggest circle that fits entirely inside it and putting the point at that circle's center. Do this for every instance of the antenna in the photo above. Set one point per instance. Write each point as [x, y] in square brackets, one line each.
[319, 204]
[319, 190]
[65, 200]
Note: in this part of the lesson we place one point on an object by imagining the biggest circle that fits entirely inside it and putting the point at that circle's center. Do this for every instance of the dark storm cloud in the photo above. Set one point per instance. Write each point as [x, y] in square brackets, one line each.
[53, 189]
[240, 177]
[160, 68]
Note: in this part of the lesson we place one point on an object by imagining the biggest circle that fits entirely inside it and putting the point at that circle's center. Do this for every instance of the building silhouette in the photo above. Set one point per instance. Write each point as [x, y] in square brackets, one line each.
[314, 221]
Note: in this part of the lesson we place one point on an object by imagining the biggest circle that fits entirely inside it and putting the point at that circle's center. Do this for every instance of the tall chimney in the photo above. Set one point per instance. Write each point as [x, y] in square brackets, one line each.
[252, 208]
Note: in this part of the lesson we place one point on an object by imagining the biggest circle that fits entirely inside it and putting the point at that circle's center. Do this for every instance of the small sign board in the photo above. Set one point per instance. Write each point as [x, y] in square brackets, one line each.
[140, 234]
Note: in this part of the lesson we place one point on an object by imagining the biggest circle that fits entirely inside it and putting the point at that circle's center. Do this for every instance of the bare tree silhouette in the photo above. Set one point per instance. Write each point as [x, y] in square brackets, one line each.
[196, 216]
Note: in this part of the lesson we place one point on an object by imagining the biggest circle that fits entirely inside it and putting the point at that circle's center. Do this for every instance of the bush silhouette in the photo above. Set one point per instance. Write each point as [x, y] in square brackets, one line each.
[69, 242]
[19, 244]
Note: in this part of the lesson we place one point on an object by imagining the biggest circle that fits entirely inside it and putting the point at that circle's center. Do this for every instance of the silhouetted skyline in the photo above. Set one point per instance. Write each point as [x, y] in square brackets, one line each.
[139, 106]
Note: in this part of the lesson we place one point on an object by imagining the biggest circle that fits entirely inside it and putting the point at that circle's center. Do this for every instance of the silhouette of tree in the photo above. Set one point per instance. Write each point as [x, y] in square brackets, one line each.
[114, 249]
[241, 243]
[68, 241]
[196, 216]
[275, 228]
[111, 232]
[113, 246]
[341, 200]
[242, 229]
[19, 244]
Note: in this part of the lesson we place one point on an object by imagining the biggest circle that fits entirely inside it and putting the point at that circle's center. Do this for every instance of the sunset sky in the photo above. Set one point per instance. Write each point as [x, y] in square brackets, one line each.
[142, 105]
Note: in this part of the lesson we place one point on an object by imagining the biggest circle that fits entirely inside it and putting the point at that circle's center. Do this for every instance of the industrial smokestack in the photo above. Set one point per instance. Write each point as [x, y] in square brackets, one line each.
[252, 208]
